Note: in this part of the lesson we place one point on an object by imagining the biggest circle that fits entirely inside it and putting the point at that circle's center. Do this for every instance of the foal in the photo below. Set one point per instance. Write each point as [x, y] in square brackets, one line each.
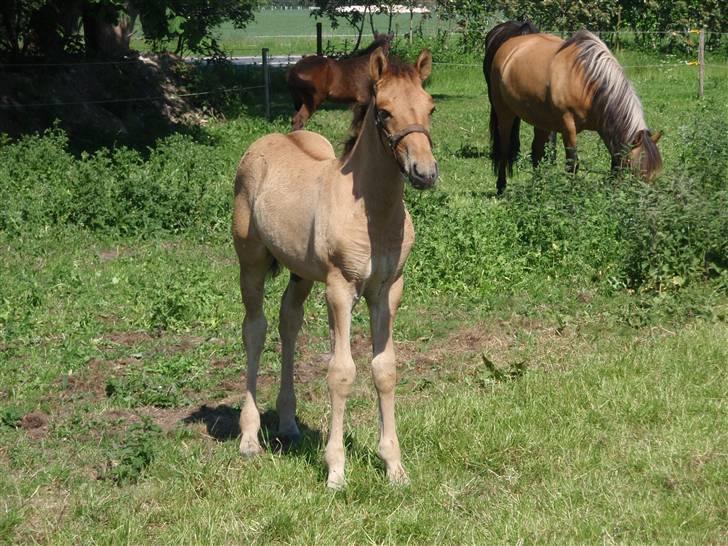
[342, 222]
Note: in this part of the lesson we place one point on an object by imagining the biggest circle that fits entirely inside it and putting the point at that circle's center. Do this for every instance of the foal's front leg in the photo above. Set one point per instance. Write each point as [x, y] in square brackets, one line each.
[382, 310]
[340, 297]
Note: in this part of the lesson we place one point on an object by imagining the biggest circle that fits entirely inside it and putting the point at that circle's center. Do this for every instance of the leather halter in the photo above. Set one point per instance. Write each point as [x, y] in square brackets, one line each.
[393, 139]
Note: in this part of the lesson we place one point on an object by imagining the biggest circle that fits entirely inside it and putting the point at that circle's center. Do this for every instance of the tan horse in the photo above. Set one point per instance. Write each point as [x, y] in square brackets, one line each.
[565, 86]
[342, 222]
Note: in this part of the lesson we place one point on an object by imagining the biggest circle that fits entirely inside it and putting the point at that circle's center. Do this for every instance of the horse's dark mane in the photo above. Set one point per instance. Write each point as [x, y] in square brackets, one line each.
[622, 118]
[380, 40]
[395, 67]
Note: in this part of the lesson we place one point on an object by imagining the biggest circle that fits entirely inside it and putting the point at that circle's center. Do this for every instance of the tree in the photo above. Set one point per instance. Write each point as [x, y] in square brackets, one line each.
[189, 23]
[103, 28]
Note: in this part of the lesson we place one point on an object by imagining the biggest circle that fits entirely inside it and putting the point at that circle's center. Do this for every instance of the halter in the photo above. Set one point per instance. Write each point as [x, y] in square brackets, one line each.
[393, 139]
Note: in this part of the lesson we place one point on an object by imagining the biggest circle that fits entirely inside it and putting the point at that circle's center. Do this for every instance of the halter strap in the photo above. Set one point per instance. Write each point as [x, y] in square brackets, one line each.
[392, 139]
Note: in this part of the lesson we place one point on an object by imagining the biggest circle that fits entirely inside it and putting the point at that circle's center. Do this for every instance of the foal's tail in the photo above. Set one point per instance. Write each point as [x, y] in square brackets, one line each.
[497, 36]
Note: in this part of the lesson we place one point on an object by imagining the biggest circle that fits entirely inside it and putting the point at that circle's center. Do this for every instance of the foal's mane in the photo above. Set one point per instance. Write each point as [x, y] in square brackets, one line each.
[622, 118]
[397, 68]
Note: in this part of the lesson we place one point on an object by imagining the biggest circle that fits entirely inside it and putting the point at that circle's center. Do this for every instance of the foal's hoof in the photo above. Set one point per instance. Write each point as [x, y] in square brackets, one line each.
[336, 481]
[250, 448]
[397, 475]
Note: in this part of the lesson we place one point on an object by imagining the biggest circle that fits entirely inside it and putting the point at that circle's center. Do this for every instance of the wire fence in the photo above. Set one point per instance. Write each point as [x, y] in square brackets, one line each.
[284, 60]
[160, 98]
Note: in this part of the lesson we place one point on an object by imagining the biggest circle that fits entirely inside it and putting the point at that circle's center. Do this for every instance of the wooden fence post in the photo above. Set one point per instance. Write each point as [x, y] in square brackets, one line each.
[701, 63]
[319, 39]
[266, 83]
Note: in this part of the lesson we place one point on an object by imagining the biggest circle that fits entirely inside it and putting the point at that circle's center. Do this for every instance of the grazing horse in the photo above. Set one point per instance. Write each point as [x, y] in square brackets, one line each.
[317, 78]
[342, 222]
[565, 86]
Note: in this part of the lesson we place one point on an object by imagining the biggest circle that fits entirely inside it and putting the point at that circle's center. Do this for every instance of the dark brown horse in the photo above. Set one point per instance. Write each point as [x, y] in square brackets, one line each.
[564, 86]
[317, 78]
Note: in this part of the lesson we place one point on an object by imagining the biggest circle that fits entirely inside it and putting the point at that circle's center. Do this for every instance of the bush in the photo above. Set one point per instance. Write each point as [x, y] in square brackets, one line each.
[615, 233]
[180, 186]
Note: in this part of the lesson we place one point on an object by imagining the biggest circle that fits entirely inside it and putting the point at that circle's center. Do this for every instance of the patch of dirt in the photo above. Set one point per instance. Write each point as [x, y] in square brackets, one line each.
[109, 254]
[35, 424]
[127, 338]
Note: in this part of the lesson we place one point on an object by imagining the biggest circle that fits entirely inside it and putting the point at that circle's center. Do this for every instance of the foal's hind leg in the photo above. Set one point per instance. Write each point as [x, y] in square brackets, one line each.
[382, 309]
[291, 319]
[254, 264]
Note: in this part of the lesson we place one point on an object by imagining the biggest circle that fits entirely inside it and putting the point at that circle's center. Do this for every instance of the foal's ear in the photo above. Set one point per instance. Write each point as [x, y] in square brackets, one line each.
[377, 64]
[424, 64]
[656, 137]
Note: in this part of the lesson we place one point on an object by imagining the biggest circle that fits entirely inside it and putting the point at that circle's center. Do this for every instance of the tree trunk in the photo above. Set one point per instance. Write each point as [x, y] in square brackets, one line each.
[107, 32]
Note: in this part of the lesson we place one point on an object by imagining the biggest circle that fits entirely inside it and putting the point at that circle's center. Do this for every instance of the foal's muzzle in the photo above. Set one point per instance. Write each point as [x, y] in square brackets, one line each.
[423, 176]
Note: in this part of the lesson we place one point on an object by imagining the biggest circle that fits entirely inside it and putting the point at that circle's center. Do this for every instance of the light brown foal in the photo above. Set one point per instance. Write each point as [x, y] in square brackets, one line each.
[342, 222]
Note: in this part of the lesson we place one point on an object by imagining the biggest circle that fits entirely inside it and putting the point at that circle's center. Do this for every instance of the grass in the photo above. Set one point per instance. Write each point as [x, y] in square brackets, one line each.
[561, 350]
[293, 32]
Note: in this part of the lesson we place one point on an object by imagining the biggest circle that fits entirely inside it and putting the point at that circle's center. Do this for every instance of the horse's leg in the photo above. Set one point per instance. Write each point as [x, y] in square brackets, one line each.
[569, 135]
[291, 319]
[505, 127]
[552, 149]
[300, 117]
[538, 146]
[382, 310]
[340, 297]
[252, 283]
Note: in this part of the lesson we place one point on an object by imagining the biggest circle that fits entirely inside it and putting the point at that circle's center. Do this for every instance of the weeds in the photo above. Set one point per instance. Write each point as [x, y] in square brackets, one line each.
[129, 459]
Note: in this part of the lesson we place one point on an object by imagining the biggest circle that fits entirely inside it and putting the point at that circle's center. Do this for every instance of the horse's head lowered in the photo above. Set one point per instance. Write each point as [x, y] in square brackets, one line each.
[643, 159]
[402, 114]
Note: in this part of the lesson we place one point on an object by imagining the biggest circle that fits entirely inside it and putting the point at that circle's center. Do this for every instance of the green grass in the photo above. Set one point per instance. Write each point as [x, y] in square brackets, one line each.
[561, 350]
[293, 32]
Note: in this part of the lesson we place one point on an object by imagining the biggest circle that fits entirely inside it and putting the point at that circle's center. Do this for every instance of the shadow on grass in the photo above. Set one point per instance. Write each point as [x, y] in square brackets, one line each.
[223, 424]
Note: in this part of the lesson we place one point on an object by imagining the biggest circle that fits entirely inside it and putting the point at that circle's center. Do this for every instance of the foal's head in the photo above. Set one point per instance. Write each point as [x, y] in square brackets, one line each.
[644, 159]
[402, 113]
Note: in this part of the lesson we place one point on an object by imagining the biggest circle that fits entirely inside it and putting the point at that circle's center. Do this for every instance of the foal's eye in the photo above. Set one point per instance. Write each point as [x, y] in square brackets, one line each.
[433, 110]
[383, 115]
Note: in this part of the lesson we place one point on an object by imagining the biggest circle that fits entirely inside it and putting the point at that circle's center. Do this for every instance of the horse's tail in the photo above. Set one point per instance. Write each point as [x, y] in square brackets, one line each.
[497, 36]
[495, 142]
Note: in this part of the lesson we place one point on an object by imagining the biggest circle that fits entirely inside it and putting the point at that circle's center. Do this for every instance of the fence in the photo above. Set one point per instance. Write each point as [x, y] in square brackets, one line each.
[265, 61]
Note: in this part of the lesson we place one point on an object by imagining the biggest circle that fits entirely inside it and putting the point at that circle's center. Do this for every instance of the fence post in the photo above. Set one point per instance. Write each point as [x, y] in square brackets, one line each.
[266, 83]
[701, 62]
[319, 39]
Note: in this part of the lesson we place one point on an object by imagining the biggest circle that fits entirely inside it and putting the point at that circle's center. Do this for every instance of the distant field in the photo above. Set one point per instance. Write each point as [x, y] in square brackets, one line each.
[294, 31]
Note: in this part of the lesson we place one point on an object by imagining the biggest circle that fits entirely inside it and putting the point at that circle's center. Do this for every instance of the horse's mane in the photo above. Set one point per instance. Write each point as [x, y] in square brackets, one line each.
[395, 67]
[380, 40]
[622, 117]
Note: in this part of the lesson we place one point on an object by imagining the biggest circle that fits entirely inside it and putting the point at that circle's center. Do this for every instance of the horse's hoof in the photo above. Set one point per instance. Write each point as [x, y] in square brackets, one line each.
[250, 448]
[336, 481]
[290, 434]
[397, 475]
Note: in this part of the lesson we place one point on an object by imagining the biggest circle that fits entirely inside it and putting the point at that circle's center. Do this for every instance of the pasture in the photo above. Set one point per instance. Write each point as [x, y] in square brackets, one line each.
[561, 350]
